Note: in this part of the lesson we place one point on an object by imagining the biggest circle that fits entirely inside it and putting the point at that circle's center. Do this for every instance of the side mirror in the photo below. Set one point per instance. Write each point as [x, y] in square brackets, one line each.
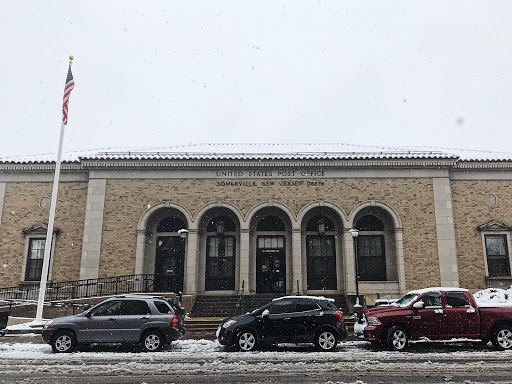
[265, 314]
[88, 313]
[418, 305]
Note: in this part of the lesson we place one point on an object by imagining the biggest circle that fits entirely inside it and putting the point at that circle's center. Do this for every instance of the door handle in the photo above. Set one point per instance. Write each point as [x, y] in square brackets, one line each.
[111, 319]
[438, 311]
[287, 318]
[144, 318]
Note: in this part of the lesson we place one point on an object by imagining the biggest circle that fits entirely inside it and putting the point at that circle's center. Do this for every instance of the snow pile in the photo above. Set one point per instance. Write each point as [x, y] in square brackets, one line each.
[494, 297]
[26, 326]
[359, 327]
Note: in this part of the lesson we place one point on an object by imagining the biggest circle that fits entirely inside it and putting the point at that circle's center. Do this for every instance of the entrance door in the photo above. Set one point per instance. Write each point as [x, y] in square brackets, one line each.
[270, 264]
[169, 264]
[321, 256]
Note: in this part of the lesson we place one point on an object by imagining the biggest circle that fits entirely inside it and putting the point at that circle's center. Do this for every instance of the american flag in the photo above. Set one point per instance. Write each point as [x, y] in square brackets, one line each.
[70, 84]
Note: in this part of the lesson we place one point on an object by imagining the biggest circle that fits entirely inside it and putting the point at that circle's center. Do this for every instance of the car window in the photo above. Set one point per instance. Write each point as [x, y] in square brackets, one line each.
[405, 300]
[162, 307]
[281, 306]
[456, 300]
[110, 308]
[304, 306]
[135, 307]
[432, 300]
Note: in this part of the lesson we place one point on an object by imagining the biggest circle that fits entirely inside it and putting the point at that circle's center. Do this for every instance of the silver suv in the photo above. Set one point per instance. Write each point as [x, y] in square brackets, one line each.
[150, 322]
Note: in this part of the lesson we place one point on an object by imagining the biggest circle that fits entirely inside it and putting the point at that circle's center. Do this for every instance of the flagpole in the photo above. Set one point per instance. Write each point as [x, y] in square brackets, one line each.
[49, 233]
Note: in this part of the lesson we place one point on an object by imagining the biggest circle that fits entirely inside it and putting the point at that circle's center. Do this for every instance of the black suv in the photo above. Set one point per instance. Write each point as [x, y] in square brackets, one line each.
[290, 319]
[150, 322]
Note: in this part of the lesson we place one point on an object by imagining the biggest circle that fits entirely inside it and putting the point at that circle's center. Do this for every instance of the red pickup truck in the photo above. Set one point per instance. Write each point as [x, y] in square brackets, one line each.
[436, 314]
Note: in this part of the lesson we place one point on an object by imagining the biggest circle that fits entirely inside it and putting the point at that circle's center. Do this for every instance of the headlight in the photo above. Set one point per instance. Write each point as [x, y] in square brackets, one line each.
[228, 323]
[48, 323]
[373, 321]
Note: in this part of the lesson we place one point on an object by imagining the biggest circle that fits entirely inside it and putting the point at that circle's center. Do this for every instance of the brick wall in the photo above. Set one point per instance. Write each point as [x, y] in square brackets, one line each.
[21, 211]
[471, 210]
[126, 200]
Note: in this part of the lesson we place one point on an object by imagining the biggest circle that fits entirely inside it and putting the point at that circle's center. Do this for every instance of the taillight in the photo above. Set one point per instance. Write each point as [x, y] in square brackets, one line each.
[174, 322]
[338, 315]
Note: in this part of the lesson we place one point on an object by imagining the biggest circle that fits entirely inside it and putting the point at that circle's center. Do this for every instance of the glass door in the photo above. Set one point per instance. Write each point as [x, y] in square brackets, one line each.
[169, 264]
[270, 264]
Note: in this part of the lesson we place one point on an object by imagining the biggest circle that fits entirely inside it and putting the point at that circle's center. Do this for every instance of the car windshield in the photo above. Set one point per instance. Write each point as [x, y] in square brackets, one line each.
[258, 311]
[404, 301]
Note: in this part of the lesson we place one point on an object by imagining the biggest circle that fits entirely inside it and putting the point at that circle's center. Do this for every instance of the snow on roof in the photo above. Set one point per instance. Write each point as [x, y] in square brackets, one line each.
[267, 151]
[248, 151]
[304, 297]
[438, 289]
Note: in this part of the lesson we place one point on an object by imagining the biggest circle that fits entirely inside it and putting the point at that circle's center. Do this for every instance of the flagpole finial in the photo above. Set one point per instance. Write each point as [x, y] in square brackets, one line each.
[71, 58]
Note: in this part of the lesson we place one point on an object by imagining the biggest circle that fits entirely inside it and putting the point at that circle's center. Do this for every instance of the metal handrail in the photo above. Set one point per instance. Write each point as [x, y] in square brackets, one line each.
[142, 283]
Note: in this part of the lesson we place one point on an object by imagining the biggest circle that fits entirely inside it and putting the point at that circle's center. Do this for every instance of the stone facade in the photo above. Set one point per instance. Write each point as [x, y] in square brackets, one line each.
[21, 211]
[108, 212]
[470, 211]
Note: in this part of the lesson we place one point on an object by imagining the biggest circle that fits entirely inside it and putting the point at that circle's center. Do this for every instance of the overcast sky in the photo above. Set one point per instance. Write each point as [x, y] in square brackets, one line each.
[161, 73]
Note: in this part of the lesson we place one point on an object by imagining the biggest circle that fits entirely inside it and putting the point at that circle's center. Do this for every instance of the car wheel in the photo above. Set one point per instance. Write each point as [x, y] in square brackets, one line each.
[397, 339]
[63, 342]
[326, 340]
[246, 341]
[152, 341]
[502, 338]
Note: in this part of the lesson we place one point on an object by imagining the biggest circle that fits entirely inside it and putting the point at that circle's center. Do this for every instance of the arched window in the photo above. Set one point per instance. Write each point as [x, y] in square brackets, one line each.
[370, 223]
[371, 254]
[171, 224]
[321, 253]
[220, 254]
[270, 224]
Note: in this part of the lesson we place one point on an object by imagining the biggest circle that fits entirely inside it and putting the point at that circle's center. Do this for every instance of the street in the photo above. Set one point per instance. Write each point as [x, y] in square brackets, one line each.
[204, 361]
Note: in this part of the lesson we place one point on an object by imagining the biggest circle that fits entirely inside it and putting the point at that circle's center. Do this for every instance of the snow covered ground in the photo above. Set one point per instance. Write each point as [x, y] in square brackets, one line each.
[204, 357]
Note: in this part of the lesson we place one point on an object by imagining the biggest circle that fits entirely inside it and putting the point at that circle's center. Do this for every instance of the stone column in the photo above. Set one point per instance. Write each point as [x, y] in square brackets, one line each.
[350, 266]
[244, 260]
[400, 260]
[297, 261]
[93, 225]
[446, 245]
[191, 264]
[2, 197]
[139, 253]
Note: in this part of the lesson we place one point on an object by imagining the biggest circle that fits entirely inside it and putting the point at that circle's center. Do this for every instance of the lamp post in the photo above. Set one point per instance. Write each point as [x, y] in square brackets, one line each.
[183, 233]
[219, 226]
[355, 233]
[321, 227]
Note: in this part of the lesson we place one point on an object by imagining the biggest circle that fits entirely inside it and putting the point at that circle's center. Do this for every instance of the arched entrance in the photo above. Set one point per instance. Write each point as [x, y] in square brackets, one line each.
[376, 250]
[321, 253]
[271, 255]
[220, 254]
[169, 255]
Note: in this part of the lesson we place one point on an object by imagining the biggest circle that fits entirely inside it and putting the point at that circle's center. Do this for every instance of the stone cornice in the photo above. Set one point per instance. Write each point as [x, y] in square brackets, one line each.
[490, 164]
[39, 167]
[239, 164]
[93, 164]
[494, 226]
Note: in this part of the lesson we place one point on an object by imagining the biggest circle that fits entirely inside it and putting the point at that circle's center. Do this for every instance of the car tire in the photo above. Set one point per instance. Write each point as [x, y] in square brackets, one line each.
[246, 341]
[397, 339]
[152, 341]
[502, 338]
[64, 342]
[326, 340]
